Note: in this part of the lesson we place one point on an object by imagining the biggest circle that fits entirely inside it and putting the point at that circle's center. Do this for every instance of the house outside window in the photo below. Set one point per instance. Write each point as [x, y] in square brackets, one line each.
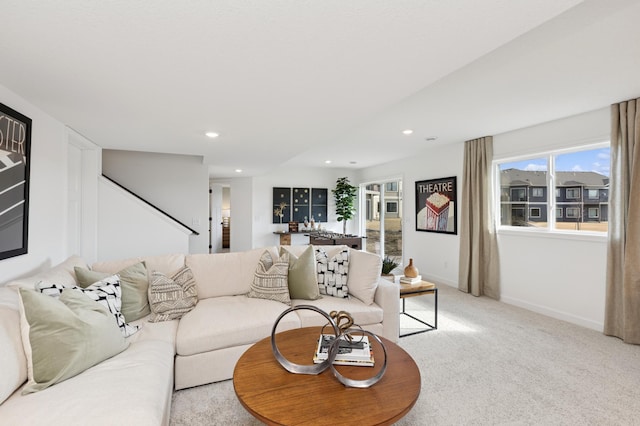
[392, 207]
[581, 197]
[392, 187]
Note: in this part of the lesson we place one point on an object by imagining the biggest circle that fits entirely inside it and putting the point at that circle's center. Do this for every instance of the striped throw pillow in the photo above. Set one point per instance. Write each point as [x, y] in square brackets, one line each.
[270, 279]
[172, 297]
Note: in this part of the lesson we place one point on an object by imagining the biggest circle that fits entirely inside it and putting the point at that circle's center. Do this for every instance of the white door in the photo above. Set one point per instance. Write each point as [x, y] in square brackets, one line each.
[83, 169]
[74, 203]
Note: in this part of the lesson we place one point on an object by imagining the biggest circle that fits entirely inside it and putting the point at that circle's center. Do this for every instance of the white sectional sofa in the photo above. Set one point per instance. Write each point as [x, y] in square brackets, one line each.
[203, 346]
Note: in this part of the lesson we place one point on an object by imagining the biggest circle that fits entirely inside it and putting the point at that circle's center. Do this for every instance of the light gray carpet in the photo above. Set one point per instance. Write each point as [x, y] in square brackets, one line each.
[488, 363]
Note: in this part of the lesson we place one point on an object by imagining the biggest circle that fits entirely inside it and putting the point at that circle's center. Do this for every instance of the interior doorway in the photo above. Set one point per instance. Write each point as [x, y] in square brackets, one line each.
[383, 218]
[220, 218]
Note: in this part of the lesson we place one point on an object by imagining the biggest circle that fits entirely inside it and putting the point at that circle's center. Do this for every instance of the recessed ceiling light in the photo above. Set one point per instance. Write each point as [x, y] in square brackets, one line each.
[238, 170]
[407, 131]
[327, 162]
[212, 135]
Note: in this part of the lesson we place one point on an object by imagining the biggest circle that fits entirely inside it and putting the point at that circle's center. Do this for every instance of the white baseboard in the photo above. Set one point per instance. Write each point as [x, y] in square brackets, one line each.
[574, 319]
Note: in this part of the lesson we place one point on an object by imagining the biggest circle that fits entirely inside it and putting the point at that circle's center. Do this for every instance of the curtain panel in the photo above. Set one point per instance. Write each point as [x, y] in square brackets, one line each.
[622, 306]
[479, 271]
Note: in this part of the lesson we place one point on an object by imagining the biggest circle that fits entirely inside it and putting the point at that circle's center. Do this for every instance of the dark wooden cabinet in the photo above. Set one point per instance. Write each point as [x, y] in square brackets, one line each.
[226, 232]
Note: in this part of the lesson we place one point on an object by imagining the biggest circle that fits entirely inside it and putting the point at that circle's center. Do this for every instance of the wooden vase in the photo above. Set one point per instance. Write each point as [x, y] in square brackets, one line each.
[410, 271]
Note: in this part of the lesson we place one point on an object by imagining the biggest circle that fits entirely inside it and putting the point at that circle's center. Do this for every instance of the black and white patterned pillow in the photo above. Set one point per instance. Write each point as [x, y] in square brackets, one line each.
[333, 273]
[106, 292]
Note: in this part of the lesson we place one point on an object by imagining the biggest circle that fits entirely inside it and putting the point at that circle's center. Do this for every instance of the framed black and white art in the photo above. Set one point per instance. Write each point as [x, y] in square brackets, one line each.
[15, 149]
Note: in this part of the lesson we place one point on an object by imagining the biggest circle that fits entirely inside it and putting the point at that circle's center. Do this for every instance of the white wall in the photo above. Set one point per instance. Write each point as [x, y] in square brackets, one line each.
[563, 277]
[290, 178]
[241, 200]
[177, 184]
[435, 255]
[48, 192]
[128, 227]
[560, 277]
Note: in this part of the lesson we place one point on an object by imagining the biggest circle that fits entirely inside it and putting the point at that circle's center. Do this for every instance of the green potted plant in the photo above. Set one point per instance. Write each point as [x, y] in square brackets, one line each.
[388, 265]
[345, 197]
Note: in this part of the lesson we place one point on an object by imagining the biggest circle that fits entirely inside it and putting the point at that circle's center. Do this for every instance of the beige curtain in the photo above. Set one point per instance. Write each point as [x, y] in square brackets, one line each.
[622, 308]
[479, 273]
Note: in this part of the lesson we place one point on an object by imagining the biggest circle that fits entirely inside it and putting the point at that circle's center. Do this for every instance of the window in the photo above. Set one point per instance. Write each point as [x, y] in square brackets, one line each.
[573, 212]
[579, 178]
[392, 186]
[518, 194]
[392, 207]
[573, 193]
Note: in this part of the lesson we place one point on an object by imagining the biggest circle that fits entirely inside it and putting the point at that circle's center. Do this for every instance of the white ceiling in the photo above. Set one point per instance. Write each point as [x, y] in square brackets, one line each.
[299, 82]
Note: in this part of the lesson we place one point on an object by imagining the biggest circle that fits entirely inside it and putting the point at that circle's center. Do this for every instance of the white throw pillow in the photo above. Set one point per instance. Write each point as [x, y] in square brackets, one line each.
[364, 273]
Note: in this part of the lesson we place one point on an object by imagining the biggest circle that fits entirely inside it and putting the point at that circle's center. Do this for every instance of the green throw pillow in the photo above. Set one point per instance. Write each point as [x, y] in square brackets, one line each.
[303, 282]
[135, 286]
[64, 336]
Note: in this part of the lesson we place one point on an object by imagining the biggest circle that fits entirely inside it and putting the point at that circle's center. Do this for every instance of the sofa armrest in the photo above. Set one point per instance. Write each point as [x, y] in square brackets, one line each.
[388, 298]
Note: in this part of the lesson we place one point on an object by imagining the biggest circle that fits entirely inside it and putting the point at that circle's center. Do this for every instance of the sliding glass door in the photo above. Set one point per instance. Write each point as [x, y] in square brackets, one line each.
[383, 218]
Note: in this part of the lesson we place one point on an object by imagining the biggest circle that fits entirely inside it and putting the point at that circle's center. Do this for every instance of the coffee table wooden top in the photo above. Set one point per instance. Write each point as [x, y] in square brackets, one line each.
[277, 397]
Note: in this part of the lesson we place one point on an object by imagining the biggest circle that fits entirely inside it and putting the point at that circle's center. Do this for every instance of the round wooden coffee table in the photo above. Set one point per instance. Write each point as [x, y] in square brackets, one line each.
[277, 397]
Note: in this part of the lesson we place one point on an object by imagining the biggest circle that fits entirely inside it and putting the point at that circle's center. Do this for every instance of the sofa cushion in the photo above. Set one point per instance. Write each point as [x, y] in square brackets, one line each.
[166, 264]
[302, 280]
[362, 314]
[172, 297]
[333, 272]
[364, 272]
[228, 321]
[134, 282]
[62, 274]
[225, 274]
[12, 357]
[131, 388]
[64, 336]
[106, 292]
[270, 278]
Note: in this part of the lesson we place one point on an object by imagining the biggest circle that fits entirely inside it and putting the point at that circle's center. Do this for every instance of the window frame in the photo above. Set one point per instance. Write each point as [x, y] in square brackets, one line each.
[555, 209]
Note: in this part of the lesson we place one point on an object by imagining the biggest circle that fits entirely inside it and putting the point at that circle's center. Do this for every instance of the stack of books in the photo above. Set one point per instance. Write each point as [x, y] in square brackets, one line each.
[357, 352]
[407, 280]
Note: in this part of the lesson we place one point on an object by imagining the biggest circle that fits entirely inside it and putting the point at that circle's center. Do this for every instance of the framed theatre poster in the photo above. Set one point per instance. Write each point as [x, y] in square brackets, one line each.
[15, 149]
[436, 206]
